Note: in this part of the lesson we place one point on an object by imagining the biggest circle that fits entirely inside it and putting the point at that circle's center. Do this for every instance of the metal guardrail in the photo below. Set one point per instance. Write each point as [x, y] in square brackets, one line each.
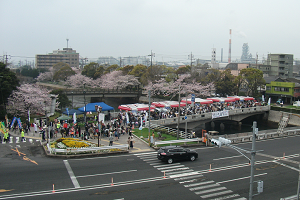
[178, 141]
[170, 130]
[261, 136]
[88, 149]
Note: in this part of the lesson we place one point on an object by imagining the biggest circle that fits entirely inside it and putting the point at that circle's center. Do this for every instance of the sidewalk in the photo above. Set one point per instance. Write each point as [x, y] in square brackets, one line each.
[138, 146]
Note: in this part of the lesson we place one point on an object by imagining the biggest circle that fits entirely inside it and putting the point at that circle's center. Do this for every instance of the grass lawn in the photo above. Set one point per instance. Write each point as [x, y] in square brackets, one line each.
[145, 134]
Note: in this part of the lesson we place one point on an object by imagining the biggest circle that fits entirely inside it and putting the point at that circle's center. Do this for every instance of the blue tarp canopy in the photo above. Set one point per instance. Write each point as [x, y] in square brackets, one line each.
[72, 111]
[91, 107]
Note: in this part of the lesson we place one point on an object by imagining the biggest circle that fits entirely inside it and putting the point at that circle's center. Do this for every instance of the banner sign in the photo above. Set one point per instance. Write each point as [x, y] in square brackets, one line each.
[224, 113]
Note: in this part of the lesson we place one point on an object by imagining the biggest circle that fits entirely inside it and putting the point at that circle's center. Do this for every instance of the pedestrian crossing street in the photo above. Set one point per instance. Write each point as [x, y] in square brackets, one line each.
[17, 140]
[193, 180]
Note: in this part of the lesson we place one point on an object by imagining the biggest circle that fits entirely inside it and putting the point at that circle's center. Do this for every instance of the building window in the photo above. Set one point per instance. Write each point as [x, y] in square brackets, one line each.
[268, 88]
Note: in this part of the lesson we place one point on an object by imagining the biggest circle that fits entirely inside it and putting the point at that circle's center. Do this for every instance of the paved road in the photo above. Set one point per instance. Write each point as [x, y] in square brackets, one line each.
[219, 173]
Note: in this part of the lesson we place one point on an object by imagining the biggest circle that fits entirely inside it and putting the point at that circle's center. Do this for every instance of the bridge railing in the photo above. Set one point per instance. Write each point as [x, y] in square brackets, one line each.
[208, 115]
[169, 130]
[99, 90]
[261, 136]
[178, 141]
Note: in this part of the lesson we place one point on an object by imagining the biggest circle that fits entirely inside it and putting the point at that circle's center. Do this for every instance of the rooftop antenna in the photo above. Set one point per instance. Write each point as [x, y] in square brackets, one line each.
[67, 42]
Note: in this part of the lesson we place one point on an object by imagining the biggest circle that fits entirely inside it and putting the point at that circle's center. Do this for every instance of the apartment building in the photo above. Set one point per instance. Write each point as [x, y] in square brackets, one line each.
[67, 55]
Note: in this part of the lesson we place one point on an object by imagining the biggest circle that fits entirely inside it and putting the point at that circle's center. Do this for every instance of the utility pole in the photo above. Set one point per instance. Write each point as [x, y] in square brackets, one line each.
[191, 56]
[120, 61]
[253, 152]
[178, 122]
[149, 94]
[152, 55]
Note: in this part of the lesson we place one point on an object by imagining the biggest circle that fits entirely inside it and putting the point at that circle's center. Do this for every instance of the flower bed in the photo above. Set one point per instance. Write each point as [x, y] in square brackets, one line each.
[64, 143]
[73, 146]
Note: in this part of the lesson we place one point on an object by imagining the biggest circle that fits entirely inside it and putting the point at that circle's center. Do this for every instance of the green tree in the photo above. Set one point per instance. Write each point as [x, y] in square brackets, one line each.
[111, 68]
[225, 83]
[58, 66]
[183, 70]
[252, 79]
[8, 83]
[63, 73]
[141, 72]
[99, 72]
[126, 69]
[28, 71]
[90, 70]
[62, 98]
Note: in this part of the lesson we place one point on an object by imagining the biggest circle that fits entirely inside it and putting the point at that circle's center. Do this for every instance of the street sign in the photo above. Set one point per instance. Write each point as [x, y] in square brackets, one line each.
[185, 117]
[193, 99]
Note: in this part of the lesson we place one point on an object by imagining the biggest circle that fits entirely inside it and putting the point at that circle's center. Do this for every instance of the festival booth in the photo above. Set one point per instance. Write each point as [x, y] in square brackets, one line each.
[168, 104]
[90, 107]
[198, 100]
[222, 100]
[241, 98]
[136, 107]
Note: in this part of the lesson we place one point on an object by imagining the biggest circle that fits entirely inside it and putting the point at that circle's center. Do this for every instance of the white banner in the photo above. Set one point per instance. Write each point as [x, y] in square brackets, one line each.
[224, 113]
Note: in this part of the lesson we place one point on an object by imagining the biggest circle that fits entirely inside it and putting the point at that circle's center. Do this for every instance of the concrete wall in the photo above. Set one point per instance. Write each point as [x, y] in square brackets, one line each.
[274, 116]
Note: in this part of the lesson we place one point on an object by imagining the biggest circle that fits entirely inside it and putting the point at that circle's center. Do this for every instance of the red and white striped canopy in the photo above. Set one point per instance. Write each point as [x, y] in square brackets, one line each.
[172, 104]
[217, 99]
[198, 100]
[138, 107]
[241, 98]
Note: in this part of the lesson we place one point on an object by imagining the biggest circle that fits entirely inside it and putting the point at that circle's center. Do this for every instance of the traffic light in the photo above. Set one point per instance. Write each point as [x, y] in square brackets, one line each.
[216, 142]
[224, 140]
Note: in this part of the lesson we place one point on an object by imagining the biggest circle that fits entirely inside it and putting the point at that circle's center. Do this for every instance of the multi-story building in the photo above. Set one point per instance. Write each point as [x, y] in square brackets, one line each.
[280, 65]
[287, 89]
[67, 55]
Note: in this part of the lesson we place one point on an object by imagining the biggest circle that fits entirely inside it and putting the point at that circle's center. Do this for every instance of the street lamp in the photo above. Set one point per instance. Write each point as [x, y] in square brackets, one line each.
[84, 104]
[98, 110]
[72, 99]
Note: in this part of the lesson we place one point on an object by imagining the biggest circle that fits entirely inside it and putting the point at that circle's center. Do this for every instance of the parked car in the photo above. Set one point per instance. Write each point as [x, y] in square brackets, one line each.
[170, 154]
[296, 103]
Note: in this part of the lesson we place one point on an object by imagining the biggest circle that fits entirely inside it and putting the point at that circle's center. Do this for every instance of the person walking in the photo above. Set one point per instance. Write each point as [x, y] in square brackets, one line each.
[131, 142]
[22, 135]
[6, 136]
[128, 142]
[111, 139]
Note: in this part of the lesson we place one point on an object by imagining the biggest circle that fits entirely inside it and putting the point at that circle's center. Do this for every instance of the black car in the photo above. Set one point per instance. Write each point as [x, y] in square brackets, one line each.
[173, 153]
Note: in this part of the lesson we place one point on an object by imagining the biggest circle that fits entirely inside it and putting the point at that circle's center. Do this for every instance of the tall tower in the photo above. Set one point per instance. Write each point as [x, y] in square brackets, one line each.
[229, 53]
[67, 43]
[213, 55]
[221, 54]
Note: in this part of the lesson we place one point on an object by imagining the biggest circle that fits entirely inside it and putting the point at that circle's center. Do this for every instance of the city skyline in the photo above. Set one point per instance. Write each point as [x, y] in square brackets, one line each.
[171, 29]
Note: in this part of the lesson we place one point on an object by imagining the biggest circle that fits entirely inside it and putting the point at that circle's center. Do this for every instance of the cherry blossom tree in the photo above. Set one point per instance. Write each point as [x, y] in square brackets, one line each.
[46, 76]
[187, 86]
[28, 97]
[116, 79]
[78, 81]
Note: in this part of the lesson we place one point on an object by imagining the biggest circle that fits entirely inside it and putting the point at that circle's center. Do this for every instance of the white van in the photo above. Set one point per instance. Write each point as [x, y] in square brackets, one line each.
[296, 103]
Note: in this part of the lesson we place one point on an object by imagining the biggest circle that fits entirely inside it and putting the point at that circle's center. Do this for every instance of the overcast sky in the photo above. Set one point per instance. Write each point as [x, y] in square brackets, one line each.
[172, 29]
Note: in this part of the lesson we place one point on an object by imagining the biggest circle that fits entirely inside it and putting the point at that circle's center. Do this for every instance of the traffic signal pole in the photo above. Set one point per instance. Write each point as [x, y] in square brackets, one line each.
[253, 152]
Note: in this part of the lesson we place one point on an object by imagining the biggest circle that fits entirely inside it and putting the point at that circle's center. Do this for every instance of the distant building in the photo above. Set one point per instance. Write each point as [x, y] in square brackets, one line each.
[246, 56]
[286, 89]
[67, 55]
[236, 68]
[281, 65]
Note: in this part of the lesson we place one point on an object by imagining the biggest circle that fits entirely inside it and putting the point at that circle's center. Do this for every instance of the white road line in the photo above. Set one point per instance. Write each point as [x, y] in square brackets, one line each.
[71, 174]
[67, 190]
[134, 170]
[211, 190]
[216, 194]
[169, 167]
[176, 169]
[205, 187]
[139, 154]
[30, 140]
[164, 164]
[197, 184]
[179, 172]
[194, 178]
[237, 179]
[184, 174]
[227, 157]
[17, 140]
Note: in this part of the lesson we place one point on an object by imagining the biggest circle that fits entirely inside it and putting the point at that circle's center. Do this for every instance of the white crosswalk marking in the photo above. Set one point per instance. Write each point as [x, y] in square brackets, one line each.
[11, 139]
[30, 140]
[17, 139]
[191, 179]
